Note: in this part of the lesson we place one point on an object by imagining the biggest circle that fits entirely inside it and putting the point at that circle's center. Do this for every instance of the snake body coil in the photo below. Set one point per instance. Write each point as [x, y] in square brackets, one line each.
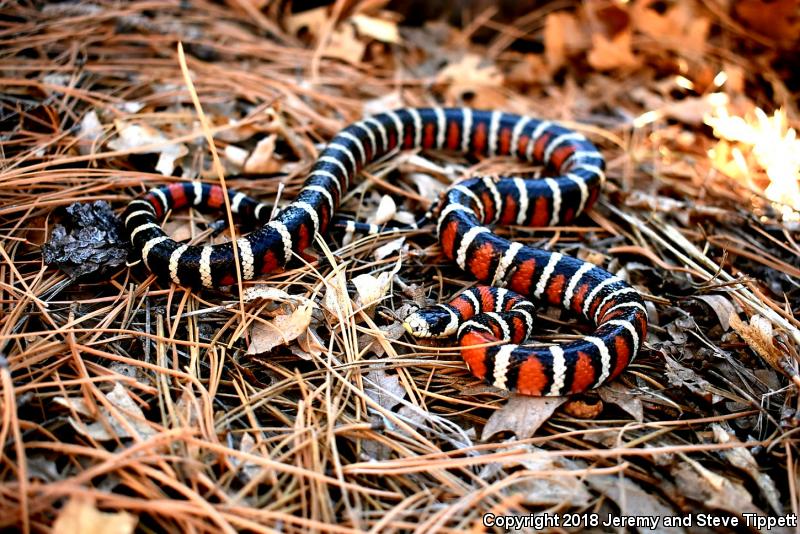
[478, 316]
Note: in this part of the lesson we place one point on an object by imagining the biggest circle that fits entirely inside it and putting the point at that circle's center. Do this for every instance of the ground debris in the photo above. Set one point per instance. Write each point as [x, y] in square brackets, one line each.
[298, 402]
[88, 242]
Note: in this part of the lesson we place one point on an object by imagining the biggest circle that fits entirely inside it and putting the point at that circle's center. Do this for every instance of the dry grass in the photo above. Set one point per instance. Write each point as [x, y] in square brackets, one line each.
[125, 396]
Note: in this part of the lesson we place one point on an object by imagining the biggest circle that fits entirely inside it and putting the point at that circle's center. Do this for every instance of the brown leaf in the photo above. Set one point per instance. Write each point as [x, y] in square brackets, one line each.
[614, 53]
[385, 389]
[627, 399]
[522, 415]
[680, 376]
[563, 37]
[133, 423]
[566, 490]
[777, 19]
[633, 500]
[386, 211]
[281, 330]
[132, 137]
[344, 44]
[308, 345]
[262, 160]
[716, 491]
[758, 335]
[722, 306]
[80, 516]
[690, 110]
[474, 80]
[679, 25]
[742, 458]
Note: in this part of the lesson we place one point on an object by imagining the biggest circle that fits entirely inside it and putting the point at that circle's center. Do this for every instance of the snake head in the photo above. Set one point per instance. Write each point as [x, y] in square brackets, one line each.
[436, 321]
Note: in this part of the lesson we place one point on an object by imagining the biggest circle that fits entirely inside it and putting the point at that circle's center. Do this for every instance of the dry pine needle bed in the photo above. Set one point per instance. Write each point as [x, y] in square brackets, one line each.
[297, 402]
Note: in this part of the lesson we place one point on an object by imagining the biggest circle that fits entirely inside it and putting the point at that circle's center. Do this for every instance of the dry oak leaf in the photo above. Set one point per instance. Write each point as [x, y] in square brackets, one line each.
[344, 44]
[384, 389]
[132, 137]
[694, 481]
[563, 37]
[742, 458]
[80, 516]
[262, 160]
[127, 421]
[522, 415]
[614, 53]
[472, 76]
[633, 500]
[265, 336]
[680, 26]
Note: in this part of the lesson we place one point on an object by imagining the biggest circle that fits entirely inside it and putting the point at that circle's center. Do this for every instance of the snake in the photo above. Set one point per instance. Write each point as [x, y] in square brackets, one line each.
[491, 321]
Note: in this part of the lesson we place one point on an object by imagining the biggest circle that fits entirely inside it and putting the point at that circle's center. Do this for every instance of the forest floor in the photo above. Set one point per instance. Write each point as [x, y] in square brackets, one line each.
[129, 405]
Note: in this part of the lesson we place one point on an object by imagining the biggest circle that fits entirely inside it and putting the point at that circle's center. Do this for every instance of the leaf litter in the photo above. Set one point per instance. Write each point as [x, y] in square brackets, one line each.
[301, 404]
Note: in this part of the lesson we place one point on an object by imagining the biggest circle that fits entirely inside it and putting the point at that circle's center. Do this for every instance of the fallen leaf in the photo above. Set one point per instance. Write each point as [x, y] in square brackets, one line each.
[131, 137]
[372, 341]
[80, 516]
[264, 292]
[473, 80]
[90, 131]
[405, 217]
[428, 186]
[758, 335]
[370, 289]
[633, 500]
[308, 345]
[236, 155]
[691, 110]
[776, 19]
[262, 160]
[722, 307]
[387, 102]
[249, 470]
[680, 25]
[110, 427]
[716, 491]
[680, 376]
[627, 399]
[281, 330]
[384, 389]
[531, 69]
[344, 44]
[563, 37]
[336, 300]
[562, 490]
[614, 53]
[522, 415]
[742, 458]
[378, 29]
[386, 210]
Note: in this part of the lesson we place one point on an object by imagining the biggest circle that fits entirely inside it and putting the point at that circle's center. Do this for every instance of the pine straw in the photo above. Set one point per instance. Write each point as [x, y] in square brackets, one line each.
[141, 399]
